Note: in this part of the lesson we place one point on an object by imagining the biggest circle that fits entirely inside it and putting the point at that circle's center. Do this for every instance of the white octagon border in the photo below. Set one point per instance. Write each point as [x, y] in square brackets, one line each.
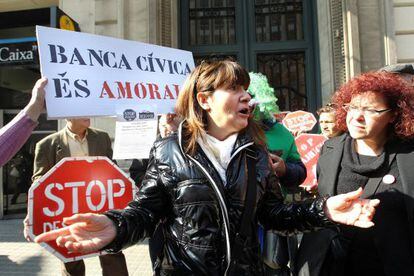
[301, 128]
[90, 159]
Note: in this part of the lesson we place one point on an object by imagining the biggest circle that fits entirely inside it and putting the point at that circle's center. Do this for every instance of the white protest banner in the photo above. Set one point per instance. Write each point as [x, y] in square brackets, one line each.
[90, 75]
[135, 132]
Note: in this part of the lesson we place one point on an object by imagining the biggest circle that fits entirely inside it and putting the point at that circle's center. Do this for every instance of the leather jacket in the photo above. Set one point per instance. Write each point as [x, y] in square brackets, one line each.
[200, 216]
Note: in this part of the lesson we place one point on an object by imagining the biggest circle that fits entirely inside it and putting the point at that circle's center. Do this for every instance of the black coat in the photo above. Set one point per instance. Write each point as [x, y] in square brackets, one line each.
[137, 170]
[316, 247]
[201, 216]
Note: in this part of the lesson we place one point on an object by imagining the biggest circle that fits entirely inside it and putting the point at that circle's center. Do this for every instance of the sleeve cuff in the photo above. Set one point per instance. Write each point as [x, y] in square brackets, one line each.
[120, 224]
[321, 206]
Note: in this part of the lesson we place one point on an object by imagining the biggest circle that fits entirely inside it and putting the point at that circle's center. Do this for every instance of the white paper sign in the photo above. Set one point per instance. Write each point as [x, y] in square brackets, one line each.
[90, 75]
[135, 132]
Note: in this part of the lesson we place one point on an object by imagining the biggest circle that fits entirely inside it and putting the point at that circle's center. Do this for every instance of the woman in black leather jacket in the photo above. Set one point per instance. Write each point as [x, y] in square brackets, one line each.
[196, 184]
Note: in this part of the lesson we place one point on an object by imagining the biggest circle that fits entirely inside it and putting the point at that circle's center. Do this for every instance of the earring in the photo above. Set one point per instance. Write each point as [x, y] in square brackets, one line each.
[206, 107]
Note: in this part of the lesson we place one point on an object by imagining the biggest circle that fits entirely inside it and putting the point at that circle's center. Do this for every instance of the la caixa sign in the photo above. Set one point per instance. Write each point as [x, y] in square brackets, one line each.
[18, 52]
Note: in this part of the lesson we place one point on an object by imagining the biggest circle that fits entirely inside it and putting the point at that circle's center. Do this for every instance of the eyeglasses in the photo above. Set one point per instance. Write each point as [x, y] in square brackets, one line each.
[364, 110]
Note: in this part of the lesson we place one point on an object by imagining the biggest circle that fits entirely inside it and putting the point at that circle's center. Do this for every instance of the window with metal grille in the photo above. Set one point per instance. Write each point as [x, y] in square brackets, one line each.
[278, 20]
[286, 74]
[212, 22]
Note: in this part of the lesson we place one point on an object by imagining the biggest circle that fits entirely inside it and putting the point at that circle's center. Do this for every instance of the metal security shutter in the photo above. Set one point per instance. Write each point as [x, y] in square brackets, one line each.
[338, 42]
[164, 31]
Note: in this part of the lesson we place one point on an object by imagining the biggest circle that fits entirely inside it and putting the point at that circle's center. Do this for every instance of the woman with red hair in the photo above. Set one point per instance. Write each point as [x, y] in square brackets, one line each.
[376, 112]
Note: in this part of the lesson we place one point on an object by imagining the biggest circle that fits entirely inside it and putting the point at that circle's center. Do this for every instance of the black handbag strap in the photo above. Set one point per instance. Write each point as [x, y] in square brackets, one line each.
[249, 203]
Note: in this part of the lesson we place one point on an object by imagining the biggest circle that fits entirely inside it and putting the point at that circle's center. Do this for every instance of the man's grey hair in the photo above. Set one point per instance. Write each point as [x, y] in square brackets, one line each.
[401, 68]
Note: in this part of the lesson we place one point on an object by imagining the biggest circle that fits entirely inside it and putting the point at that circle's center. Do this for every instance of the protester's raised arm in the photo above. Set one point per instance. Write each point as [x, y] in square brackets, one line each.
[17, 131]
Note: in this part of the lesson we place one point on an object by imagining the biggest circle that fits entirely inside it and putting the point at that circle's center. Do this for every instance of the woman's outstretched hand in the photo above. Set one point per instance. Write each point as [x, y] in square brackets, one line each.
[84, 233]
[349, 209]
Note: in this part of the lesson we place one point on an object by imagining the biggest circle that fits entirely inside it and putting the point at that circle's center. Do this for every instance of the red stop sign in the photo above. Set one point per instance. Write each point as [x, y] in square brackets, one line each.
[76, 185]
[309, 146]
[299, 121]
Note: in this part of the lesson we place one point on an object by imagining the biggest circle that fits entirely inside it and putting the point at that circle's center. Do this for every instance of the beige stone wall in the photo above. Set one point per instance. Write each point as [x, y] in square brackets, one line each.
[404, 30]
[325, 50]
[375, 33]
[369, 37]
[126, 19]
[386, 32]
[139, 20]
[371, 24]
[352, 38]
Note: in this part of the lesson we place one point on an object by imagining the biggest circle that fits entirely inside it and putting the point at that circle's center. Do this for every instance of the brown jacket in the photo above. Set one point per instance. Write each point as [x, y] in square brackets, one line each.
[51, 149]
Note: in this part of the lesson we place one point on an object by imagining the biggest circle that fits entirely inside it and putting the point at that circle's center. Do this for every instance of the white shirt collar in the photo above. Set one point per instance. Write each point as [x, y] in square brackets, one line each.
[218, 152]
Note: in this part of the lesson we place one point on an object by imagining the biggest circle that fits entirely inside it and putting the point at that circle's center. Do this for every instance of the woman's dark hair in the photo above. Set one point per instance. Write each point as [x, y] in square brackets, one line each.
[206, 78]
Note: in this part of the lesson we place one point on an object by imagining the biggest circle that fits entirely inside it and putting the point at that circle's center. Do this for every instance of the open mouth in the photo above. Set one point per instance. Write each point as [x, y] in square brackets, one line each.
[244, 111]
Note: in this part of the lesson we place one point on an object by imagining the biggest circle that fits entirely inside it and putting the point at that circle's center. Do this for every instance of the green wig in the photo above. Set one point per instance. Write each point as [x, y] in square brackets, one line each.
[264, 96]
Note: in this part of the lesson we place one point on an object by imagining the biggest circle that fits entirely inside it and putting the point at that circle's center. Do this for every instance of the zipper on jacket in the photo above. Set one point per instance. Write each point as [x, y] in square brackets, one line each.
[217, 190]
[223, 207]
[221, 200]
[237, 151]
